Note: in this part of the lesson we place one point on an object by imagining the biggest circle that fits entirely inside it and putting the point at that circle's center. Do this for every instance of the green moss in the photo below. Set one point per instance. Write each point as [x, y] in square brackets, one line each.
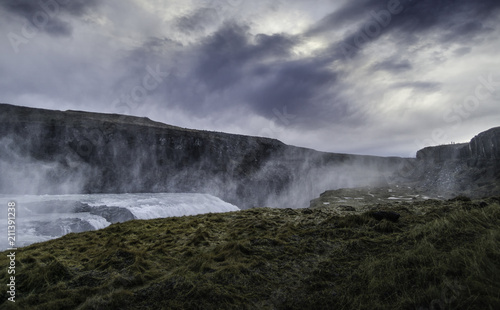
[438, 255]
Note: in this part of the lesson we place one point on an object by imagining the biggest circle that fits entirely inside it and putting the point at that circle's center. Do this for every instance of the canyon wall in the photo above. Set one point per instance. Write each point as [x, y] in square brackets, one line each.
[471, 169]
[55, 152]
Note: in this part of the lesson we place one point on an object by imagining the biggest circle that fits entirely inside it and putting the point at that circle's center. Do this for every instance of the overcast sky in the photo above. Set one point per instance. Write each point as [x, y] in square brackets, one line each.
[380, 77]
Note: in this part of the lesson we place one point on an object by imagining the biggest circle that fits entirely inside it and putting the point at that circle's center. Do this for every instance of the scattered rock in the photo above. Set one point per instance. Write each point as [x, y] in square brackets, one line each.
[483, 204]
[111, 214]
[460, 198]
[388, 215]
[61, 227]
[346, 208]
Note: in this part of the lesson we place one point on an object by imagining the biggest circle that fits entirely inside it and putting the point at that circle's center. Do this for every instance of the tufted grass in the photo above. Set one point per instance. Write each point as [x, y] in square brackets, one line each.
[438, 255]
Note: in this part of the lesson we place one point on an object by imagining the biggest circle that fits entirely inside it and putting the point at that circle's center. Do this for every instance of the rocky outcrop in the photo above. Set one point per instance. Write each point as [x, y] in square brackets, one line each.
[486, 145]
[60, 227]
[472, 169]
[55, 152]
[111, 214]
[442, 153]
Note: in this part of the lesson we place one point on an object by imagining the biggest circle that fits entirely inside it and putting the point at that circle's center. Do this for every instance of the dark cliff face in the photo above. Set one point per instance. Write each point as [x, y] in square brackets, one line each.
[486, 145]
[54, 152]
[470, 168]
[443, 153]
[44, 151]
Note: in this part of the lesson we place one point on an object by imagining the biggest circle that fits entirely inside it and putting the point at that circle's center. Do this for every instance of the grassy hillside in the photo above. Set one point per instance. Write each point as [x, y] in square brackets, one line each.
[438, 255]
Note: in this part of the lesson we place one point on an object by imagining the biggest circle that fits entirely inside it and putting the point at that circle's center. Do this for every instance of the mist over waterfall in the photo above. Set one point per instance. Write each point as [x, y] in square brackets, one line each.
[44, 217]
[73, 152]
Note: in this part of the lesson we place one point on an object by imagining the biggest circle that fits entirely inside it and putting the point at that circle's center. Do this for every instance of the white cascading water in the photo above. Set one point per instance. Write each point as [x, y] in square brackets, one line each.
[44, 217]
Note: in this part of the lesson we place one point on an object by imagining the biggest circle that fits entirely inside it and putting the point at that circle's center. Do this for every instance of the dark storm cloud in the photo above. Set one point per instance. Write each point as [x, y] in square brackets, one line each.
[28, 8]
[452, 20]
[465, 32]
[250, 70]
[420, 85]
[226, 55]
[156, 62]
[392, 66]
[153, 50]
[296, 85]
[352, 12]
[223, 56]
[197, 21]
[46, 14]
[259, 73]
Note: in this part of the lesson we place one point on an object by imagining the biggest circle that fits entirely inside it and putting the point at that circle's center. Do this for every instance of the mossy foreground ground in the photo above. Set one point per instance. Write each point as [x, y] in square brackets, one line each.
[444, 257]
